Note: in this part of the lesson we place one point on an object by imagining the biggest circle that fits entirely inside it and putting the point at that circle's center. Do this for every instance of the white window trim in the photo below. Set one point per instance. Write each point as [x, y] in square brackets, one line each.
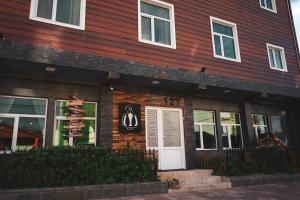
[159, 3]
[235, 37]
[16, 121]
[33, 15]
[274, 10]
[65, 118]
[228, 136]
[200, 124]
[282, 54]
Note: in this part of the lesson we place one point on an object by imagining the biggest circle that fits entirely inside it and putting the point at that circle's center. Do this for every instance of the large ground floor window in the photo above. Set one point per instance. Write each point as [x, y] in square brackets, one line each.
[61, 137]
[22, 123]
[260, 126]
[231, 130]
[205, 130]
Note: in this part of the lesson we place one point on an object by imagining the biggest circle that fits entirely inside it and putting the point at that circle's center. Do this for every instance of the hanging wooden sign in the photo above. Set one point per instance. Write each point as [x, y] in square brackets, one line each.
[75, 123]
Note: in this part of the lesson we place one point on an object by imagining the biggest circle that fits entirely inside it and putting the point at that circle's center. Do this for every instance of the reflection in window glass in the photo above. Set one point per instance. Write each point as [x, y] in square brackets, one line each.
[231, 130]
[260, 126]
[6, 133]
[204, 129]
[89, 130]
[276, 127]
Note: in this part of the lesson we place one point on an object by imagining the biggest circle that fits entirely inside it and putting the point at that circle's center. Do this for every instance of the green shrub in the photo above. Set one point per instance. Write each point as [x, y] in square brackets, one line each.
[73, 166]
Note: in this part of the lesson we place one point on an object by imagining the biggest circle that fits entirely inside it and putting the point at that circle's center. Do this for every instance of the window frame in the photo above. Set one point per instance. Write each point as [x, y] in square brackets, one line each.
[274, 10]
[162, 4]
[227, 125]
[282, 54]
[235, 38]
[34, 9]
[65, 118]
[201, 133]
[17, 117]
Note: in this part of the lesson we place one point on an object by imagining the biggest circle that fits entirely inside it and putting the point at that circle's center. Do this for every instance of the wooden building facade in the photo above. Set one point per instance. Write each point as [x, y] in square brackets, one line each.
[183, 77]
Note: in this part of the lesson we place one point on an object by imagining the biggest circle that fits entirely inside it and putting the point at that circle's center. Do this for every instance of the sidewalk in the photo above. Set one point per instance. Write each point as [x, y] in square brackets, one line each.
[261, 192]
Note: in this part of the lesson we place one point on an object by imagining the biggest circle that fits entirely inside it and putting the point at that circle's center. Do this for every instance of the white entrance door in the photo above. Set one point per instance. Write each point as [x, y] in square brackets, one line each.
[164, 132]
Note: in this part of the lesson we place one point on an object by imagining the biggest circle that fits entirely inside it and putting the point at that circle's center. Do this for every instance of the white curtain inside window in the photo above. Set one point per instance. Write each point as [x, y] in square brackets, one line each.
[68, 11]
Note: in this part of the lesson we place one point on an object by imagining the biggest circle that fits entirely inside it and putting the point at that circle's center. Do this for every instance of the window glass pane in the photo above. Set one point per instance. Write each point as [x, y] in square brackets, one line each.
[219, 28]
[225, 137]
[155, 10]
[278, 59]
[68, 11]
[60, 133]
[204, 116]
[259, 119]
[30, 133]
[62, 109]
[22, 106]
[152, 128]
[6, 133]
[45, 9]
[217, 41]
[146, 28]
[197, 136]
[229, 118]
[162, 31]
[209, 138]
[260, 131]
[269, 4]
[229, 48]
[171, 129]
[263, 3]
[235, 136]
[272, 57]
[89, 133]
[276, 124]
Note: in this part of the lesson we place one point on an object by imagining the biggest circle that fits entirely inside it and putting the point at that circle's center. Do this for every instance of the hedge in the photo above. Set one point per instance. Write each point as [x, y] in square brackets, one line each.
[73, 166]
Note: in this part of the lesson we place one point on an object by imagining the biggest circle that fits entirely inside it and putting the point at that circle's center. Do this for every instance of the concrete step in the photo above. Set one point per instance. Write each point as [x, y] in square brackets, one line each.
[203, 187]
[199, 180]
[184, 174]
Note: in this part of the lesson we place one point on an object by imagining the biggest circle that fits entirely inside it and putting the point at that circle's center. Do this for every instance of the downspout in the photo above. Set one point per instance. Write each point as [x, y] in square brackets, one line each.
[294, 32]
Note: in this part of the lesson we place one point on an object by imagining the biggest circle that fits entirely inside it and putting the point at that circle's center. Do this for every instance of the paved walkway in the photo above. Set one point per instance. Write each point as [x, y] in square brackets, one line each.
[262, 192]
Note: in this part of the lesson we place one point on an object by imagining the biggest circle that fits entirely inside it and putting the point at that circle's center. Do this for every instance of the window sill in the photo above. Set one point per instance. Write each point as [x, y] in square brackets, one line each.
[198, 149]
[39, 19]
[229, 59]
[157, 44]
[270, 10]
[281, 70]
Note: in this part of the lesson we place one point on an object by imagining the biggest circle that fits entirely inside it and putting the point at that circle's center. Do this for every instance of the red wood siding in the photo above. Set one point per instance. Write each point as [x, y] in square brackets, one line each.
[112, 31]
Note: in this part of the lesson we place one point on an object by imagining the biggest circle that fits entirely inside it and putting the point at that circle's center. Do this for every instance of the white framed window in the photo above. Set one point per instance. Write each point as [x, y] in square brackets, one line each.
[61, 138]
[231, 130]
[269, 5]
[22, 123]
[205, 130]
[225, 40]
[68, 13]
[260, 126]
[156, 23]
[276, 56]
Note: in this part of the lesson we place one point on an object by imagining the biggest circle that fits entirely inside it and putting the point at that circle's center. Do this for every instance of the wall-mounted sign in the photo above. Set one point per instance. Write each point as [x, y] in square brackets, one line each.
[129, 118]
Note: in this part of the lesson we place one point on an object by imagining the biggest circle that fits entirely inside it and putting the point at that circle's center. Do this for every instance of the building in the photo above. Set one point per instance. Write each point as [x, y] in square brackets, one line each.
[186, 77]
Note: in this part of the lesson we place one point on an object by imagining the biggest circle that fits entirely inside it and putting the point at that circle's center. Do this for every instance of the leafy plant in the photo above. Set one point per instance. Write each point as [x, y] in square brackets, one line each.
[73, 166]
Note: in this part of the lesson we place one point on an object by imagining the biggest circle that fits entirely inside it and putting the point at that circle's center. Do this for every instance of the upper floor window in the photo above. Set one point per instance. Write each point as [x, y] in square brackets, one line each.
[231, 130]
[69, 13]
[268, 5]
[157, 23]
[205, 130]
[225, 40]
[276, 58]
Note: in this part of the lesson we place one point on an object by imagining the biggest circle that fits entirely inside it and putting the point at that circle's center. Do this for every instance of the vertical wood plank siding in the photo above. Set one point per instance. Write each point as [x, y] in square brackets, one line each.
[112, 31]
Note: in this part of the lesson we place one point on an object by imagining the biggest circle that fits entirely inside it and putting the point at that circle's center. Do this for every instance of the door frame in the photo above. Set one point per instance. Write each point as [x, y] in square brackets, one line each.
[159, 148]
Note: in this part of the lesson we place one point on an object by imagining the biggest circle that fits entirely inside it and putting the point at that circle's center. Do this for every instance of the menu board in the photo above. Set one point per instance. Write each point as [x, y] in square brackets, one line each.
[152, 129]
[171, 129]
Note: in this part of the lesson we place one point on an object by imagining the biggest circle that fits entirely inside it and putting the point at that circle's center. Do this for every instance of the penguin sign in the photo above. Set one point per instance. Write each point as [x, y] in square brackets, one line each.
[129, 118]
